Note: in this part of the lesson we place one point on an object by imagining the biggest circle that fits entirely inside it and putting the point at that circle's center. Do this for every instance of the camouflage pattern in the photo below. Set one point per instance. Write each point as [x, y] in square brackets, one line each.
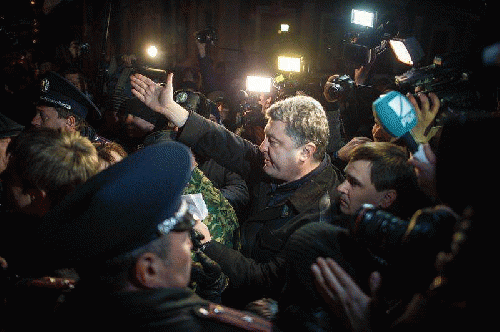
[221, 221]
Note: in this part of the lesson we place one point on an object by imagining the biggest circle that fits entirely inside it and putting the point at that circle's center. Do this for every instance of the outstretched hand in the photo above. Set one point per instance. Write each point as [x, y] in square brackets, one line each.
[342, 294]
[159, 98]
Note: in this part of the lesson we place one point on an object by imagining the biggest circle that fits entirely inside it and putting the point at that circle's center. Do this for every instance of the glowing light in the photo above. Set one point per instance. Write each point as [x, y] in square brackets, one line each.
[152, 51]
[401, 52]
[259, 84]
[284, 28]
[407, 51]
[364, 18]
[288, 64]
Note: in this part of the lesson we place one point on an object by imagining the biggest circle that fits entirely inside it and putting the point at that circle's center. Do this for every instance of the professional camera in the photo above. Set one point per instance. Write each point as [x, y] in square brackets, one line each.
[207, 35]
[450, 81]
[404, 251]
[390, 238]
[341, 87]
[358, 48]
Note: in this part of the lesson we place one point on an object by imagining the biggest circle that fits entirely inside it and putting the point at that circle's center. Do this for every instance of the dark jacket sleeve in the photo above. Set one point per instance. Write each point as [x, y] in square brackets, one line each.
[249, 279]
[231, 184]
[212, 140]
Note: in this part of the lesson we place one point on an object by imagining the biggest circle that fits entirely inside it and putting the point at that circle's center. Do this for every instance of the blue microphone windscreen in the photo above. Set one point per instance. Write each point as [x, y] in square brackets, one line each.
[395, 113]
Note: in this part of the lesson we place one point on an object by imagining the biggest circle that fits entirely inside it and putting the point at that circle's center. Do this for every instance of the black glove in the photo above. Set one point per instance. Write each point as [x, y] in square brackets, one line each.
[208, 278]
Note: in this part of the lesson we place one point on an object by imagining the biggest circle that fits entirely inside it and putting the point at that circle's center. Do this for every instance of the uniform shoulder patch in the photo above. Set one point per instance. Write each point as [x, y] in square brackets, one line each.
[245, 321]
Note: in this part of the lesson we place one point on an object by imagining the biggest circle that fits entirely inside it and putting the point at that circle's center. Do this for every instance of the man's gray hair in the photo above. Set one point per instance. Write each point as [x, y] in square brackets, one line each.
[305, 121]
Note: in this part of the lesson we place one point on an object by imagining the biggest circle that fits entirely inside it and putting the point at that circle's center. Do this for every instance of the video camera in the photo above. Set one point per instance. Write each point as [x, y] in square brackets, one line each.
[448, 79]
[207, 35]
[359, 46]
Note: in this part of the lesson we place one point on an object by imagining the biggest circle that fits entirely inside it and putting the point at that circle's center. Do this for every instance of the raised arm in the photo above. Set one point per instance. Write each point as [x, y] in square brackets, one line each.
[159, 98]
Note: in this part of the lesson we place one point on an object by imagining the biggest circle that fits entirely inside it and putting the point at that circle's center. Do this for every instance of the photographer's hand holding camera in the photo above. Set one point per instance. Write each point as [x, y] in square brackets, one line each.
[426, 111]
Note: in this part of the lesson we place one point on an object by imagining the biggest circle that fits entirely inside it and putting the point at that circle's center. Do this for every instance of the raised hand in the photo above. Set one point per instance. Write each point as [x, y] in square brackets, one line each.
[159, 98]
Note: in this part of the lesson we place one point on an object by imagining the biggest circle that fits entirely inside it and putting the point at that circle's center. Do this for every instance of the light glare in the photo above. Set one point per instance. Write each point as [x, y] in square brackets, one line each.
[152, 51]
[401, 52]
[258, 84]
[363, 18]
[288, 64]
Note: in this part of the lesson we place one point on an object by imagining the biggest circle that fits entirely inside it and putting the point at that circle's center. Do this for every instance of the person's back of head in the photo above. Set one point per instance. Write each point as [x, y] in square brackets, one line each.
[52, 161]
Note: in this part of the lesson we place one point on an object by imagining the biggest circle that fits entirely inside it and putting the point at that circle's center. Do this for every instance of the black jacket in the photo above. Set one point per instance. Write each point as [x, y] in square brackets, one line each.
[160, 309]
[231, 185]
[256, 271]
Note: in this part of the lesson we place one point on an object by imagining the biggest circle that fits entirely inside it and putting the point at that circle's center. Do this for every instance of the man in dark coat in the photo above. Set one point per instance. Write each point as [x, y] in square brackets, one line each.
[126, 232]
[289, 177]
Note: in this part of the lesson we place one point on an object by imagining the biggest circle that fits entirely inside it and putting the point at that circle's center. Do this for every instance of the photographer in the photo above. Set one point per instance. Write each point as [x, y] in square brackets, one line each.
[212, 81]
[355, 105]
[454, 299]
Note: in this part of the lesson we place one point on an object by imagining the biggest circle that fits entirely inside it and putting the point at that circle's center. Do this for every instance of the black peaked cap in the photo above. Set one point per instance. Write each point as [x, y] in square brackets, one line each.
[58, 91]
[118, 210]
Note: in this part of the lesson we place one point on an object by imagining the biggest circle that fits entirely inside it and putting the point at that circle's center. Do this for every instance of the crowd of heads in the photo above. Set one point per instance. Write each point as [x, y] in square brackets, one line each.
[61, 169]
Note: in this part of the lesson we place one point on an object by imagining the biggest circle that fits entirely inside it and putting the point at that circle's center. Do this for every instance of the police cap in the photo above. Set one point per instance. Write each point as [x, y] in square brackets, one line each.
[120, 209]
[57, 91]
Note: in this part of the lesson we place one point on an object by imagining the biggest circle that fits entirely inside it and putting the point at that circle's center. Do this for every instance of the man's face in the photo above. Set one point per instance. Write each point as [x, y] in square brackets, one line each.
[47, 117]
[357, 188]
[177, 272]
[281, 156]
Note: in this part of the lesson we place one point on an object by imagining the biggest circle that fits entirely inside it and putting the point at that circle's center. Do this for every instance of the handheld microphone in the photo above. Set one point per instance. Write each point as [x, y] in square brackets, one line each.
[397, 116]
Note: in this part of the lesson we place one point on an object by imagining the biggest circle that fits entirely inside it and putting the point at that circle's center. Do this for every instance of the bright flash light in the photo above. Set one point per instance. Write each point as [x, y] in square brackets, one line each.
[364, 18]
[407, 51]
[288, 64]
[259, 84]
[152, 51]
[285, 28]
[401, 52]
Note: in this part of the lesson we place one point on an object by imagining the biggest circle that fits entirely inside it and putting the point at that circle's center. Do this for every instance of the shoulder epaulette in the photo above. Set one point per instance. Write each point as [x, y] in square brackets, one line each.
[233, 317]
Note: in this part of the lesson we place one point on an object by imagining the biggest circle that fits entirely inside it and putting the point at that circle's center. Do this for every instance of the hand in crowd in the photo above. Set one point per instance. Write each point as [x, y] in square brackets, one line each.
[426, 172]
[328, 85]
[159, 98]
[426, 113]
[342, 294]
[203, 230]
[345, 151]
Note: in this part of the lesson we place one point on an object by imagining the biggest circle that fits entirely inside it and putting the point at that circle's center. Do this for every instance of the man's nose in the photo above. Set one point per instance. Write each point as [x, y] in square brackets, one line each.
[263, 146]
[342, 188]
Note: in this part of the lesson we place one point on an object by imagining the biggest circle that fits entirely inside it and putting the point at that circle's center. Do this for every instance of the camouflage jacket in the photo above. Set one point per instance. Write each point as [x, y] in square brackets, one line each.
[221, 221]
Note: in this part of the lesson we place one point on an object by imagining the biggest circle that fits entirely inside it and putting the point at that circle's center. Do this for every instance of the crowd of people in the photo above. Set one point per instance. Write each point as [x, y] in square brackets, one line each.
[171, 215]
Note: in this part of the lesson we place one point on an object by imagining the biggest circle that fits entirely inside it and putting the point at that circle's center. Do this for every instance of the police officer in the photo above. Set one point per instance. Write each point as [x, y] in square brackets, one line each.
[62, 106]
[127, 234]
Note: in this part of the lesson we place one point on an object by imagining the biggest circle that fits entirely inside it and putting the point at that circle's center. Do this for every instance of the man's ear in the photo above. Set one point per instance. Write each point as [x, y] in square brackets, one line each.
[71, 122]
[308, 151]
[147, 271]
[388, 198]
